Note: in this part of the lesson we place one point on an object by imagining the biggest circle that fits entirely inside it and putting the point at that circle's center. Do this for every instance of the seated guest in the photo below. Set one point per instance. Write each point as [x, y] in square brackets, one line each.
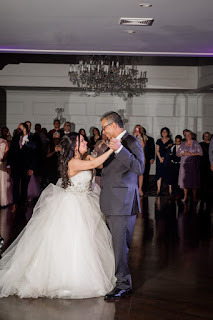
[21, 163]
[163, 146]
[205, 171]
[175, 167]
[6, 191]
[56, 124]
[83, 133]
[67, 127]
[95, 137]
[189, 175]
[139, 133]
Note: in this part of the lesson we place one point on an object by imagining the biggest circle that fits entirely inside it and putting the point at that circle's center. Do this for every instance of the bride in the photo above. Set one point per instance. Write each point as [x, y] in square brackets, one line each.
[65, 251]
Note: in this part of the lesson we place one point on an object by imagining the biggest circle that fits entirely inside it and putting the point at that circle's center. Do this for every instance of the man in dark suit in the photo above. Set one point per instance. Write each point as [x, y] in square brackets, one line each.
[149, 152]
[119, 197]
[21, 163]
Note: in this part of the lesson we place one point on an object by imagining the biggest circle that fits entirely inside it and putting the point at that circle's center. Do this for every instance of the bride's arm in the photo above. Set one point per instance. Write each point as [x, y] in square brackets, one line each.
[89, 157]
[79, 165]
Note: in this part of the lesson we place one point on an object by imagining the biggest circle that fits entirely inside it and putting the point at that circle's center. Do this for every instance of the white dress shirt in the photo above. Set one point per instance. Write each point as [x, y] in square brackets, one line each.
[119, 138]
[24, 139]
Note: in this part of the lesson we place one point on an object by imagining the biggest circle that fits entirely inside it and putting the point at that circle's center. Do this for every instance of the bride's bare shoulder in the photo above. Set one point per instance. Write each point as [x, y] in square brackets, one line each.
[77, 165]
[88, 157]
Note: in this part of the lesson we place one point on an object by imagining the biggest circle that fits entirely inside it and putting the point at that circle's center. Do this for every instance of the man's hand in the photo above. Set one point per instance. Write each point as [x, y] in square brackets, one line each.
[211, 167]
[9, 171]
[152, 161]
[114, 144]
[30, 172]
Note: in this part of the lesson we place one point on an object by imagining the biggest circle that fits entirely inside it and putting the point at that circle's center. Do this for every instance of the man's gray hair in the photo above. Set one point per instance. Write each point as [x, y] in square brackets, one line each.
[113, 116]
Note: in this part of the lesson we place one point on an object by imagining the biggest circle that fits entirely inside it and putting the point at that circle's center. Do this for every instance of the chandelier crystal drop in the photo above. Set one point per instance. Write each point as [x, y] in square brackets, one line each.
[104, 76]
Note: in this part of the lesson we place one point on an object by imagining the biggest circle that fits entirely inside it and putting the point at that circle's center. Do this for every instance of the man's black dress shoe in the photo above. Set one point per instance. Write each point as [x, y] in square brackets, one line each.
[117, 293]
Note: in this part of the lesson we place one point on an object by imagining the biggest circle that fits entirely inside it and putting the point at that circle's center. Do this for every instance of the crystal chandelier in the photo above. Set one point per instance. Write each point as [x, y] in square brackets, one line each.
[104, 76]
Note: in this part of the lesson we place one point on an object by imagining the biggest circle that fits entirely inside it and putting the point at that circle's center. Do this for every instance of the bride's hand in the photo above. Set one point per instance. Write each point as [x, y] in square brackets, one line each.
[114, 144]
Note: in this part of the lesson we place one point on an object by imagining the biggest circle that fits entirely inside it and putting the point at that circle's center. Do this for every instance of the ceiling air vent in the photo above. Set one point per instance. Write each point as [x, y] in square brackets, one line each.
[136, 21]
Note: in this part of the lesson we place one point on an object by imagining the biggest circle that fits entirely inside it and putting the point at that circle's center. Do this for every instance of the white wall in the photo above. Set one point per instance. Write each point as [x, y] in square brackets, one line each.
[152, 110]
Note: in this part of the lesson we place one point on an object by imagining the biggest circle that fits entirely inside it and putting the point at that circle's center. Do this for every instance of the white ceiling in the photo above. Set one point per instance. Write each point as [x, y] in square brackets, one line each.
[181, 27]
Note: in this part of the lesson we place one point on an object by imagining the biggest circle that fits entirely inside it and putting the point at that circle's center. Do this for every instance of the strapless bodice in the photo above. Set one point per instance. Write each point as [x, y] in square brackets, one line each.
[80, 183]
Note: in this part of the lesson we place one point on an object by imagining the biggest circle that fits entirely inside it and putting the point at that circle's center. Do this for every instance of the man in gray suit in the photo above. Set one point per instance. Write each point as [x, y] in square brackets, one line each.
[119, 199]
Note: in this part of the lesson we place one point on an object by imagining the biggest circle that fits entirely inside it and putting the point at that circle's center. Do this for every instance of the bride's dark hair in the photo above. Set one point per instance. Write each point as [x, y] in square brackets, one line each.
[68, 144]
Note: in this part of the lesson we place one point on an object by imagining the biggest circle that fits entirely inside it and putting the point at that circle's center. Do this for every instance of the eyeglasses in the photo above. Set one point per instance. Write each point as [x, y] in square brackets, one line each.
[103, 128]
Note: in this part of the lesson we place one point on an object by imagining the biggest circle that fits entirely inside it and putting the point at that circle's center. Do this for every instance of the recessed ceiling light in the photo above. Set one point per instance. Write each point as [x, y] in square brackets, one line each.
[145, 5]
[136, 21]
[130, 31]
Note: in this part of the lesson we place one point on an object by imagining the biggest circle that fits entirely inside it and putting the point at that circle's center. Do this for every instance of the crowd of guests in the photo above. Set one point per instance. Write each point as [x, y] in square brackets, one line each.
[29, 161]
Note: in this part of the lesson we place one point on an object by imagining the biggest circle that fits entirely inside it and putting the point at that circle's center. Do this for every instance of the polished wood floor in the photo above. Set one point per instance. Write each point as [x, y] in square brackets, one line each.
[171, 263]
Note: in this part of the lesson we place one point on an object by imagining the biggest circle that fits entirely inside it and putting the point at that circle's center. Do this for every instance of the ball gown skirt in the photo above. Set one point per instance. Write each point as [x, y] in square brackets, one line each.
[65, 251]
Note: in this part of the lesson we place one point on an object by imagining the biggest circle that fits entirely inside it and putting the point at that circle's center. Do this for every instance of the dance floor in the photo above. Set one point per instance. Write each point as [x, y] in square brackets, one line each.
[171, 262]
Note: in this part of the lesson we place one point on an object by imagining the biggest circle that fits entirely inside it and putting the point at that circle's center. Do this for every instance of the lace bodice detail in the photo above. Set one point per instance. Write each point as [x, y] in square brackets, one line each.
[80, 183]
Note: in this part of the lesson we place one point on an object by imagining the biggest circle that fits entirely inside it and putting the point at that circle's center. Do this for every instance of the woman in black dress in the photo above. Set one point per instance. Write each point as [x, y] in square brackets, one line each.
[163, 146]
[51, 173]
[95, 137]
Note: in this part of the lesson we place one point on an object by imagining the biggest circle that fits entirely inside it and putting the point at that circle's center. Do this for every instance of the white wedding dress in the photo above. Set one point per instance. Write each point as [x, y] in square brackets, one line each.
[65, 251]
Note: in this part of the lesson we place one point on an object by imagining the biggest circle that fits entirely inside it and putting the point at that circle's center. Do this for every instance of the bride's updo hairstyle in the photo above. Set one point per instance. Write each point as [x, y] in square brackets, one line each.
[68, 144]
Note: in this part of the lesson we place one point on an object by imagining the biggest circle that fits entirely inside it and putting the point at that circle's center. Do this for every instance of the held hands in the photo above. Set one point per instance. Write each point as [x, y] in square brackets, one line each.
[30, 172]
[58, 148]
[114, 144]
[161, 160]
[187, 153]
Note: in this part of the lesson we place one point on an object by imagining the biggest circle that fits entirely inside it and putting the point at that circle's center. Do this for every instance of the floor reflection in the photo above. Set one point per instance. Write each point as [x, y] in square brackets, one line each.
[14, 308]
[171, 261]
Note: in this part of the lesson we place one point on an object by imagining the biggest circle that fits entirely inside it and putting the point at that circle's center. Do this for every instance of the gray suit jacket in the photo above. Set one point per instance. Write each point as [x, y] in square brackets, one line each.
[119, 193]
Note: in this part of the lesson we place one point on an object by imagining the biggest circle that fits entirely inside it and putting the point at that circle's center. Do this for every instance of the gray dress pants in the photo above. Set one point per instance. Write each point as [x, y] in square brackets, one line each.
[122, 228]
